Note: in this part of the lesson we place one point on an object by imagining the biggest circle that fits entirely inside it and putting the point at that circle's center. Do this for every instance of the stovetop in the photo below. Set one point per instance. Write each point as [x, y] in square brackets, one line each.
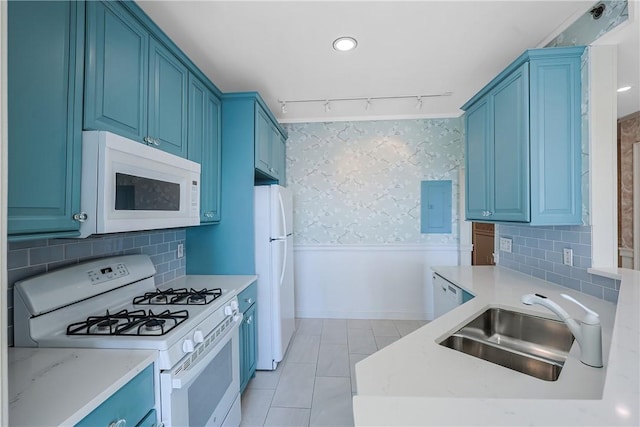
[121, 308]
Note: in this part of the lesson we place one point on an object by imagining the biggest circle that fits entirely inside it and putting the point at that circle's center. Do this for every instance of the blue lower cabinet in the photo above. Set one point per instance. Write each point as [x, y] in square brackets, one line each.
[132, 403]
[248, 335]
[45, 69]
[151, 420]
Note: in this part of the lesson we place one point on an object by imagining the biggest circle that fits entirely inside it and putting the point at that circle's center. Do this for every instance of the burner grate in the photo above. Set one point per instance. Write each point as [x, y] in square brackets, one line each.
[125, 322]
[181, 296]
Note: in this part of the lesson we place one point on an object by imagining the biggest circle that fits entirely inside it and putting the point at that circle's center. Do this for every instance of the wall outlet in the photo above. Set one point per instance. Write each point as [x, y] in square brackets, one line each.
[180, 250]
[505, 244]
[567, 258]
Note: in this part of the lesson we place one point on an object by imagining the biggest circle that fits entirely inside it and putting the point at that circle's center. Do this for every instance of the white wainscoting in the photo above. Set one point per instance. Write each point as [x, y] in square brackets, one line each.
[369, 281]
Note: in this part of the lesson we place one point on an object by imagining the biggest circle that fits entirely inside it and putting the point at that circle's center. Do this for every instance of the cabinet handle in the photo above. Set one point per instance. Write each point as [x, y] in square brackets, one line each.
[249, 320]
[120, 423]
[80, 217]
[248, 300]
[270, 169]
[151, 141]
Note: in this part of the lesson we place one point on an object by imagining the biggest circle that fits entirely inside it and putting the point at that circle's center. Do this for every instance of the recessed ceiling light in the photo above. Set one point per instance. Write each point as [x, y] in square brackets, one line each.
[344, 44]
[624, 89]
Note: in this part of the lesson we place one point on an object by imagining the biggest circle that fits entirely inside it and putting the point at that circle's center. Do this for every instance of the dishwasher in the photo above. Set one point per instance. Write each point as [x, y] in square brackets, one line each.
[446, 295]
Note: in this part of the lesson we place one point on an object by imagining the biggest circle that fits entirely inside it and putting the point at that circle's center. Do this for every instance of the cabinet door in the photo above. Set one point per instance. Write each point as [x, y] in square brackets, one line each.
[283, 161]
[276, 153]
[211, 156]
[204, 146]
[168, 79]
[45, 66]
[556, 141]
[262, 141]
[115, 96]
[252, 341]
[478, 160]
[510, 100]
[248, 348]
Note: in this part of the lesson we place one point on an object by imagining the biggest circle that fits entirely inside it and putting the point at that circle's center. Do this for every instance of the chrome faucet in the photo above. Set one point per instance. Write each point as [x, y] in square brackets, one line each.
[588, 332]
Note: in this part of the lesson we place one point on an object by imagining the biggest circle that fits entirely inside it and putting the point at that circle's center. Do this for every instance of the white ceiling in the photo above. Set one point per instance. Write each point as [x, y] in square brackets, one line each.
[283, 50]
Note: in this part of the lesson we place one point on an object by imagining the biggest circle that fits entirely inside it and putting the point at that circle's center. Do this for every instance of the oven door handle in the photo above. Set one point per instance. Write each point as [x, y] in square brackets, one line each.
[185, 377]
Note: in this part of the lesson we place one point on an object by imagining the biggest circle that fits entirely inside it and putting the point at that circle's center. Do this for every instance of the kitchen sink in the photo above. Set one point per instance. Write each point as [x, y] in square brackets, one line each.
[529, 344]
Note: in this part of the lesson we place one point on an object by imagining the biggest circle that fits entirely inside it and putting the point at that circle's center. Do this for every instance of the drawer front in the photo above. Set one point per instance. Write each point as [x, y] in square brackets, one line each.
[248, 297]
[131, 403]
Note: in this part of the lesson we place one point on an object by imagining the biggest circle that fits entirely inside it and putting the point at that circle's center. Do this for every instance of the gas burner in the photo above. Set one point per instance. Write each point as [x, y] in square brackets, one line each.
[133, 323]
[179, 297]
[106, 324]
[154, 324]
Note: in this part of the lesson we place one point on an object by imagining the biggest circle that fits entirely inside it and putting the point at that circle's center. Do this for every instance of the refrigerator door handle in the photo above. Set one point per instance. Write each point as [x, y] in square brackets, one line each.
[283, 217]
[284, 263]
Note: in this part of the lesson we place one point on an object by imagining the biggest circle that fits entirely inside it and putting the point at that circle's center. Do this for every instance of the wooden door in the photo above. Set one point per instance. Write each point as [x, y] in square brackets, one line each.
[482, 237]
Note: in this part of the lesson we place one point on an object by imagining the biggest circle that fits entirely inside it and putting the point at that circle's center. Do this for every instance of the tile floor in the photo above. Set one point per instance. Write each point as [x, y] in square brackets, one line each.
[314, 384]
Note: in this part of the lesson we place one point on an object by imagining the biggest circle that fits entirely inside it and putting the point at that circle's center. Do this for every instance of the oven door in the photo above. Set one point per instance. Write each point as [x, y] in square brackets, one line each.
[201, 390]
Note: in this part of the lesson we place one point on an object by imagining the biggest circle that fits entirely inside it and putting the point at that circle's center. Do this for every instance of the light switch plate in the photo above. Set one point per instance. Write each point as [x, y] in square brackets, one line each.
[567, 258]
[505, 244]
[180, 250]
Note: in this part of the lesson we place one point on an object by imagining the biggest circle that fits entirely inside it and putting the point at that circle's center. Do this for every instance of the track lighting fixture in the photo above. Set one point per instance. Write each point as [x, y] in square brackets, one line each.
[368, 100]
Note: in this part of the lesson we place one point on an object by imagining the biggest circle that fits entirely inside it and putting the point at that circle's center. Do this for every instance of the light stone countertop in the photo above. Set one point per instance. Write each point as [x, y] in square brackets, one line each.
[231, 282]
[415, 381]
[61, 386]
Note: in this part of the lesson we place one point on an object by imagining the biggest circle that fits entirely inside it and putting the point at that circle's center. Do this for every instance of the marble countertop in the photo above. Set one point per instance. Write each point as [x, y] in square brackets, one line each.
[415, 381]
[60, 386]
[231, 282]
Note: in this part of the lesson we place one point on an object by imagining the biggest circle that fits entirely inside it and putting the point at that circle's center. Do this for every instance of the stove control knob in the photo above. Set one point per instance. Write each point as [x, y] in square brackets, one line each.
[187, 346]
[234, 305]
[198, 337]
[228, 311]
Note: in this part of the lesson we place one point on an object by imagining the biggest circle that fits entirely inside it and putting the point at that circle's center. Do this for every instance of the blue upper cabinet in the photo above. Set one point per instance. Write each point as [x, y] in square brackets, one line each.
[204, 146]
[45, 68]
[134, 85]
[269, 148]
[523, 142]
[167, 100]
[117, 65]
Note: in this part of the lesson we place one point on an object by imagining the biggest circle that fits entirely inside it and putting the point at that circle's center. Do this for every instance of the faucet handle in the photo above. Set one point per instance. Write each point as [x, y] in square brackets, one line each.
[592, 318]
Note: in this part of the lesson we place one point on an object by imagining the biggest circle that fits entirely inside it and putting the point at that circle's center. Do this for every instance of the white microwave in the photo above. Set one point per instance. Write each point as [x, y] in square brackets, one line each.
[128, 186]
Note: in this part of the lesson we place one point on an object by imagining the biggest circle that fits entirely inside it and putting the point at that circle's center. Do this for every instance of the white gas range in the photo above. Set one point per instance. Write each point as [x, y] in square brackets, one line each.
[113, 303]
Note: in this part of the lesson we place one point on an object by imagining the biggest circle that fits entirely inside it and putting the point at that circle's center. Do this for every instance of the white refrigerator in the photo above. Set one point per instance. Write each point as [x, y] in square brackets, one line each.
[274, 267]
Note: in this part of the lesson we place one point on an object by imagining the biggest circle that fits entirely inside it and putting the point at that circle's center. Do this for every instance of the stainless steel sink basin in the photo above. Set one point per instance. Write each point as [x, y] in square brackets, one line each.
[529, 344]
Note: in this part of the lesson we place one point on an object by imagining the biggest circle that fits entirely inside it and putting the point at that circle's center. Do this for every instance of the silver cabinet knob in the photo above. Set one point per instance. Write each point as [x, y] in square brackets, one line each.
[248, 300]
[120, 423]
[80, 217]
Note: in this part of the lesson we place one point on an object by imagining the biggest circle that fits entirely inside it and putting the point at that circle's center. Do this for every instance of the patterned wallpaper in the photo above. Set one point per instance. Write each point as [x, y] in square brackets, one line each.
[359, 182]
[586, 29]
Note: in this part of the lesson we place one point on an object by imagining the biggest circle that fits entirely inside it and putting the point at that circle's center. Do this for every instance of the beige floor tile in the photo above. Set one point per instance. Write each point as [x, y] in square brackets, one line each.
[358, 324]
[405, 327]
[353, 359]
[361, 341]
[384, 328]
[295, 388]
[288, 417]
[332, 402]
[333, 360]
[334, 331]
[383, 341]
[309, 327]
[303, 349]
[266, 379]
[255, 406]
